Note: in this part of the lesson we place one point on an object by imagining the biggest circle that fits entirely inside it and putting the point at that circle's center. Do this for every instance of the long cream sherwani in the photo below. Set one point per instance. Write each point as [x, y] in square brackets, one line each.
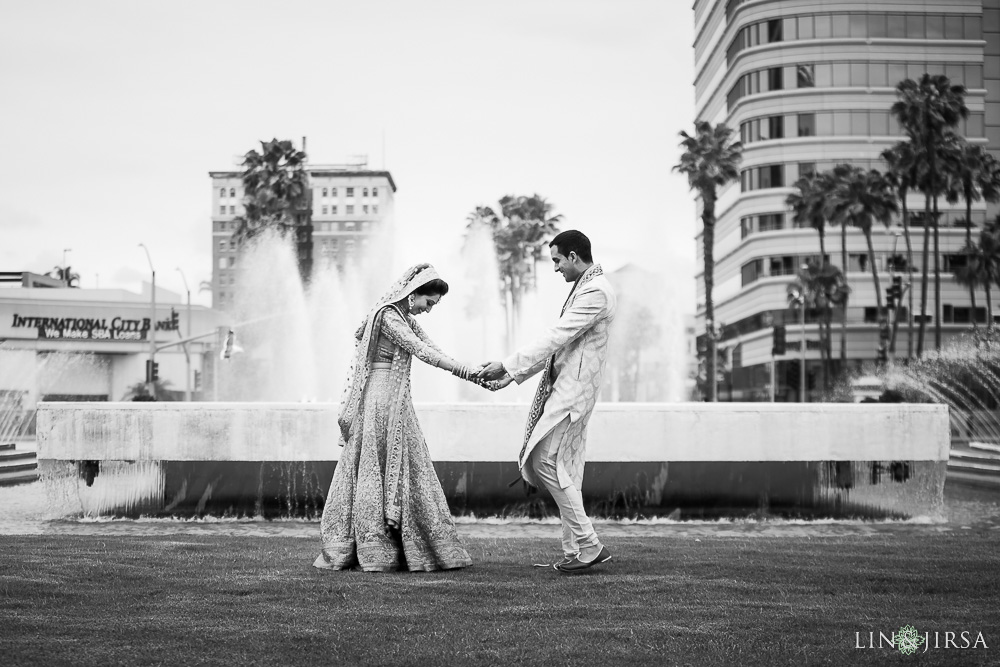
[572, 356]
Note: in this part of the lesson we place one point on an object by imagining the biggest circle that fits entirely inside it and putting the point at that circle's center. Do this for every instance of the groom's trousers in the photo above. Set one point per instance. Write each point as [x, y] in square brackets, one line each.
[577, 529]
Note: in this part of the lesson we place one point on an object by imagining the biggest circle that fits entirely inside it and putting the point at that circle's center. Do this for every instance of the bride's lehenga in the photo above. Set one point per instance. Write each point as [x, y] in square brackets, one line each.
[386, 509]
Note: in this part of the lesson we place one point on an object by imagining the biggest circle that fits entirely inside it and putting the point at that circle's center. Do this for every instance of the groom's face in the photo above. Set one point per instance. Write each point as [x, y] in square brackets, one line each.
[565, 265]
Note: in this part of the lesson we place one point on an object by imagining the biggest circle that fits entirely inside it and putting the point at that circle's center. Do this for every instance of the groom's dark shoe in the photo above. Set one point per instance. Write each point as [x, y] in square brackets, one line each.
[576, 566]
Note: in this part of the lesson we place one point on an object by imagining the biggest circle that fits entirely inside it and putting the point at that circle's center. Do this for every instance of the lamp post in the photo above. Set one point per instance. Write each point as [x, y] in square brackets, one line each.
[798, 297]
[65, 273]
[187, 356]
[768, 320]
[151, 386]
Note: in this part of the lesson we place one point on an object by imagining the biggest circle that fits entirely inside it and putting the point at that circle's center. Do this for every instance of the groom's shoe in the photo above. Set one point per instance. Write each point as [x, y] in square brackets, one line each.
[565, 560]
[576, 566]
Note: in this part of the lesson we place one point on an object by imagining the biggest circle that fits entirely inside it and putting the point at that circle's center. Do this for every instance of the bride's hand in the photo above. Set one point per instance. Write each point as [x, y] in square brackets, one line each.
[496, 385]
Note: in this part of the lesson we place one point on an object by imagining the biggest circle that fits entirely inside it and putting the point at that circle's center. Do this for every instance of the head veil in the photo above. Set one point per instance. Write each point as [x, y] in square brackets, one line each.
[367, 336]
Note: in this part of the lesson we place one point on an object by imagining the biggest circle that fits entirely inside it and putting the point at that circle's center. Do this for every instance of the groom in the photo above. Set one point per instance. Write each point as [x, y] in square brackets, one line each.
[572, 356]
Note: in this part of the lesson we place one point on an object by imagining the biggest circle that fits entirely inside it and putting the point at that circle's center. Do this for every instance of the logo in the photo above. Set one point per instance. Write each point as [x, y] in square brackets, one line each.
[908, 640]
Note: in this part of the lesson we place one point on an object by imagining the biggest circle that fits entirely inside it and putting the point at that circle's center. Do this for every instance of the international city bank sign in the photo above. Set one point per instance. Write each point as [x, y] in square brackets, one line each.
[93, 328]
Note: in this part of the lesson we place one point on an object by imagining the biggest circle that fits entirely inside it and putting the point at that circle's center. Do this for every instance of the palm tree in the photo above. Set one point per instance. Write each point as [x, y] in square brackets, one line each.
[808, 205]
[65, 274]
[710, 161]
[520, 232]
[925, 109]
[903, 175]
[863, 198]
[976, 176]
[837, 213]
[276, 197]
[982, 268]
[822, 287]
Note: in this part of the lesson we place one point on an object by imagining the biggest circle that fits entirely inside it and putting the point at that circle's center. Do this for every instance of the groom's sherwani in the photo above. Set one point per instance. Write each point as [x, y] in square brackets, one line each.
[573, 355]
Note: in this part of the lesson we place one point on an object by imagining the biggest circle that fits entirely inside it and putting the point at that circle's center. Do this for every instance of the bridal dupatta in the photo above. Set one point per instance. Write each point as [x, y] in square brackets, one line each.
[386, 509]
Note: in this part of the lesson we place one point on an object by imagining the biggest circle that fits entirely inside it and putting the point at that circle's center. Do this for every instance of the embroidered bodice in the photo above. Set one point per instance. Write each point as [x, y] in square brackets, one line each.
[407, 334]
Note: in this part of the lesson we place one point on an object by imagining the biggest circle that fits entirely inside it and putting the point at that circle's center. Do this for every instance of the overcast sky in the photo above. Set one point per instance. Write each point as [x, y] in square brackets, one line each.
[114, 113]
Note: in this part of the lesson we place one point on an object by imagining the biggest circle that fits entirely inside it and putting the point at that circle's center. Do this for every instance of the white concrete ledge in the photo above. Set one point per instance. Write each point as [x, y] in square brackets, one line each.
[619, 432]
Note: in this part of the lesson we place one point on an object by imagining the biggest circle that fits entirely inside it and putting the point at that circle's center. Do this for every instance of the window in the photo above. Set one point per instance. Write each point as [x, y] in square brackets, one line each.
[350, 208]
[232, 246]
[806, 168]
[859, 123]
[333, 192]
[973, 27]
[222, 192]
[841, 123]
[953, 27]
[880, 124]
[324, 210]
[897, 72]
[805, 25]
[841, 25]
[222, 210]
[841, 74]
[232, 192]
[807, 124]
[333, 210]
[915, 26]
[877, 77]
[823, 26]
[973, 76]
[824, 75]
[374, 192]
[859, 74]
[897, 26]
[859, 24]
[232, 262]
[222, 262]
[222, 246]
[746, 227]
[752, 270]
[364, 192]
[771, 222]
[805, 76]
[232, 210]
[774, 79]
[878, 25]
[776, 127]
[774, 30]
[364, 209]
[350, 192]
[375, 209]
[324, 192]
[935, 26]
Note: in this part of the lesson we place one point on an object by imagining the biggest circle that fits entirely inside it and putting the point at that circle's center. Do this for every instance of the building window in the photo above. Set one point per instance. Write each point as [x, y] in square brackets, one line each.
[771, 222]
[364, 192]
[232, 246]
[364, 209]
[375, 209]
[222, 210]
[774, 32]
[374, 192]
[324, 192]
[232, 192]
[751, 271]
[807, 124]
[333, 192]
[333, 210]
[222, 192]
[324, 210]
[222, 262]
[232, 262]
[350, 208]
[806, 168]
[232, 210]
[350, 192]
[222, 246]
[776, 127]
[774, 79]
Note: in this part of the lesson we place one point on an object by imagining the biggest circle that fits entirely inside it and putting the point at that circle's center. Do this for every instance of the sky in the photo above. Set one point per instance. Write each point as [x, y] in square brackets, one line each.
[115, 111]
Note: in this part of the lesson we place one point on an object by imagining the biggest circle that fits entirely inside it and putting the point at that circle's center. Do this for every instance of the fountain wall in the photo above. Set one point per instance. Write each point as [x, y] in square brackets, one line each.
[702, 459]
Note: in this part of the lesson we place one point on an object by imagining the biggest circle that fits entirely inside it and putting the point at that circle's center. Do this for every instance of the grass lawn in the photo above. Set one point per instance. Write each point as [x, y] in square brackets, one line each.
[182, 600]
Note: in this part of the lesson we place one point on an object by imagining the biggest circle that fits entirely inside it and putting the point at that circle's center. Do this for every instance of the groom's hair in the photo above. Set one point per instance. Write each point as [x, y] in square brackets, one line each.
[573, 241]
[436, 286]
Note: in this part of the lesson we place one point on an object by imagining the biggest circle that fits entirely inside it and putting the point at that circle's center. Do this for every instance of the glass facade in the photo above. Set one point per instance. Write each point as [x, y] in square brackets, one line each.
[860, 123]
[857, 26]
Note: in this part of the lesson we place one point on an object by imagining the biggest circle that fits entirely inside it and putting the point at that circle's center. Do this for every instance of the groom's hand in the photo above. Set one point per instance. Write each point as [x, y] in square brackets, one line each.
[493, 370]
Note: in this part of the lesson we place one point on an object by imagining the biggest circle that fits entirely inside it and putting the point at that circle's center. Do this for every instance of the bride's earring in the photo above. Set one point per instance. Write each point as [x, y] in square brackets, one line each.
[409, 301]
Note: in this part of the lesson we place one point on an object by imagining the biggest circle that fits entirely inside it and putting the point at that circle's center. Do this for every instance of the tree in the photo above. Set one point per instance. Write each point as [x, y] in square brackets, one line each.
[863, 198]
[974, 175]
[981, 269]
[822, 288]
[837, 213]
[276, 197]
[710, 160]
[521, 232]
[925, 109]
[903, 175]
[65, 274]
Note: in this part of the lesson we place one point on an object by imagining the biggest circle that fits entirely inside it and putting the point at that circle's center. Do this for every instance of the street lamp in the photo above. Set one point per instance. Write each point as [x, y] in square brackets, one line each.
[799, 300]
[152, 327]
[187, 356]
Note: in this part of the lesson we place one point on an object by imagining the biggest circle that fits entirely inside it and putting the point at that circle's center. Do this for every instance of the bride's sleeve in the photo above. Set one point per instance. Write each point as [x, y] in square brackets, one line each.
[399, 332]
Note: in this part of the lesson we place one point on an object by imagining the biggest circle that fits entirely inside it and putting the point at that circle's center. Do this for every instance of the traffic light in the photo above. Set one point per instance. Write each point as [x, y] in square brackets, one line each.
[175, 320]
[895, 291]
[197, 380]
[152, 371]
[778, 344]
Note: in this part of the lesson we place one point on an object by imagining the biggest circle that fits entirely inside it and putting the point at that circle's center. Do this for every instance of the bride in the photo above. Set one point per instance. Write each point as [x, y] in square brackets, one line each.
[386, 509]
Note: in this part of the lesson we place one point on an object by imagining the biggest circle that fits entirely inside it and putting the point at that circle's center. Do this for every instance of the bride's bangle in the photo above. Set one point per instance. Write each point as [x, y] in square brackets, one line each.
[461, 371]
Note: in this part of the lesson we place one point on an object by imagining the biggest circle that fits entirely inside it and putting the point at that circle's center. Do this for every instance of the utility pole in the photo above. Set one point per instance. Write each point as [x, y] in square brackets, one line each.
[187, 355]
[151, 375]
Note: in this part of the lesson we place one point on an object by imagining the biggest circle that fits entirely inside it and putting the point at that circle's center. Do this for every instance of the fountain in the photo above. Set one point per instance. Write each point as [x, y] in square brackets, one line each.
[269, 447]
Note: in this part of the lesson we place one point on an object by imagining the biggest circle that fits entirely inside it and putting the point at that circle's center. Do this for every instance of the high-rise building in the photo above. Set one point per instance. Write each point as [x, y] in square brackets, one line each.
[349, 204]
[808, 85]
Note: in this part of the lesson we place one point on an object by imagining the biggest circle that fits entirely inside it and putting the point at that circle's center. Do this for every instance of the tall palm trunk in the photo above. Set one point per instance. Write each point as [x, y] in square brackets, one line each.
[909, 275]
[989, 304]
[843, 320]
[925, 253]
[968, 244]
[708, 220]
[875, 278]
[937, 278]
[824, 342]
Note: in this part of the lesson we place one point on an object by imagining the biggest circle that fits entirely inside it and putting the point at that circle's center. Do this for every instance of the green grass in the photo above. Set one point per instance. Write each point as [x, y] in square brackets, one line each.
[180, 600]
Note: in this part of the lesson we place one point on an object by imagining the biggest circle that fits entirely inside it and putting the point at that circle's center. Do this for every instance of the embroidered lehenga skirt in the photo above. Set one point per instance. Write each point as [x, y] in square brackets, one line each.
[386, 510]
